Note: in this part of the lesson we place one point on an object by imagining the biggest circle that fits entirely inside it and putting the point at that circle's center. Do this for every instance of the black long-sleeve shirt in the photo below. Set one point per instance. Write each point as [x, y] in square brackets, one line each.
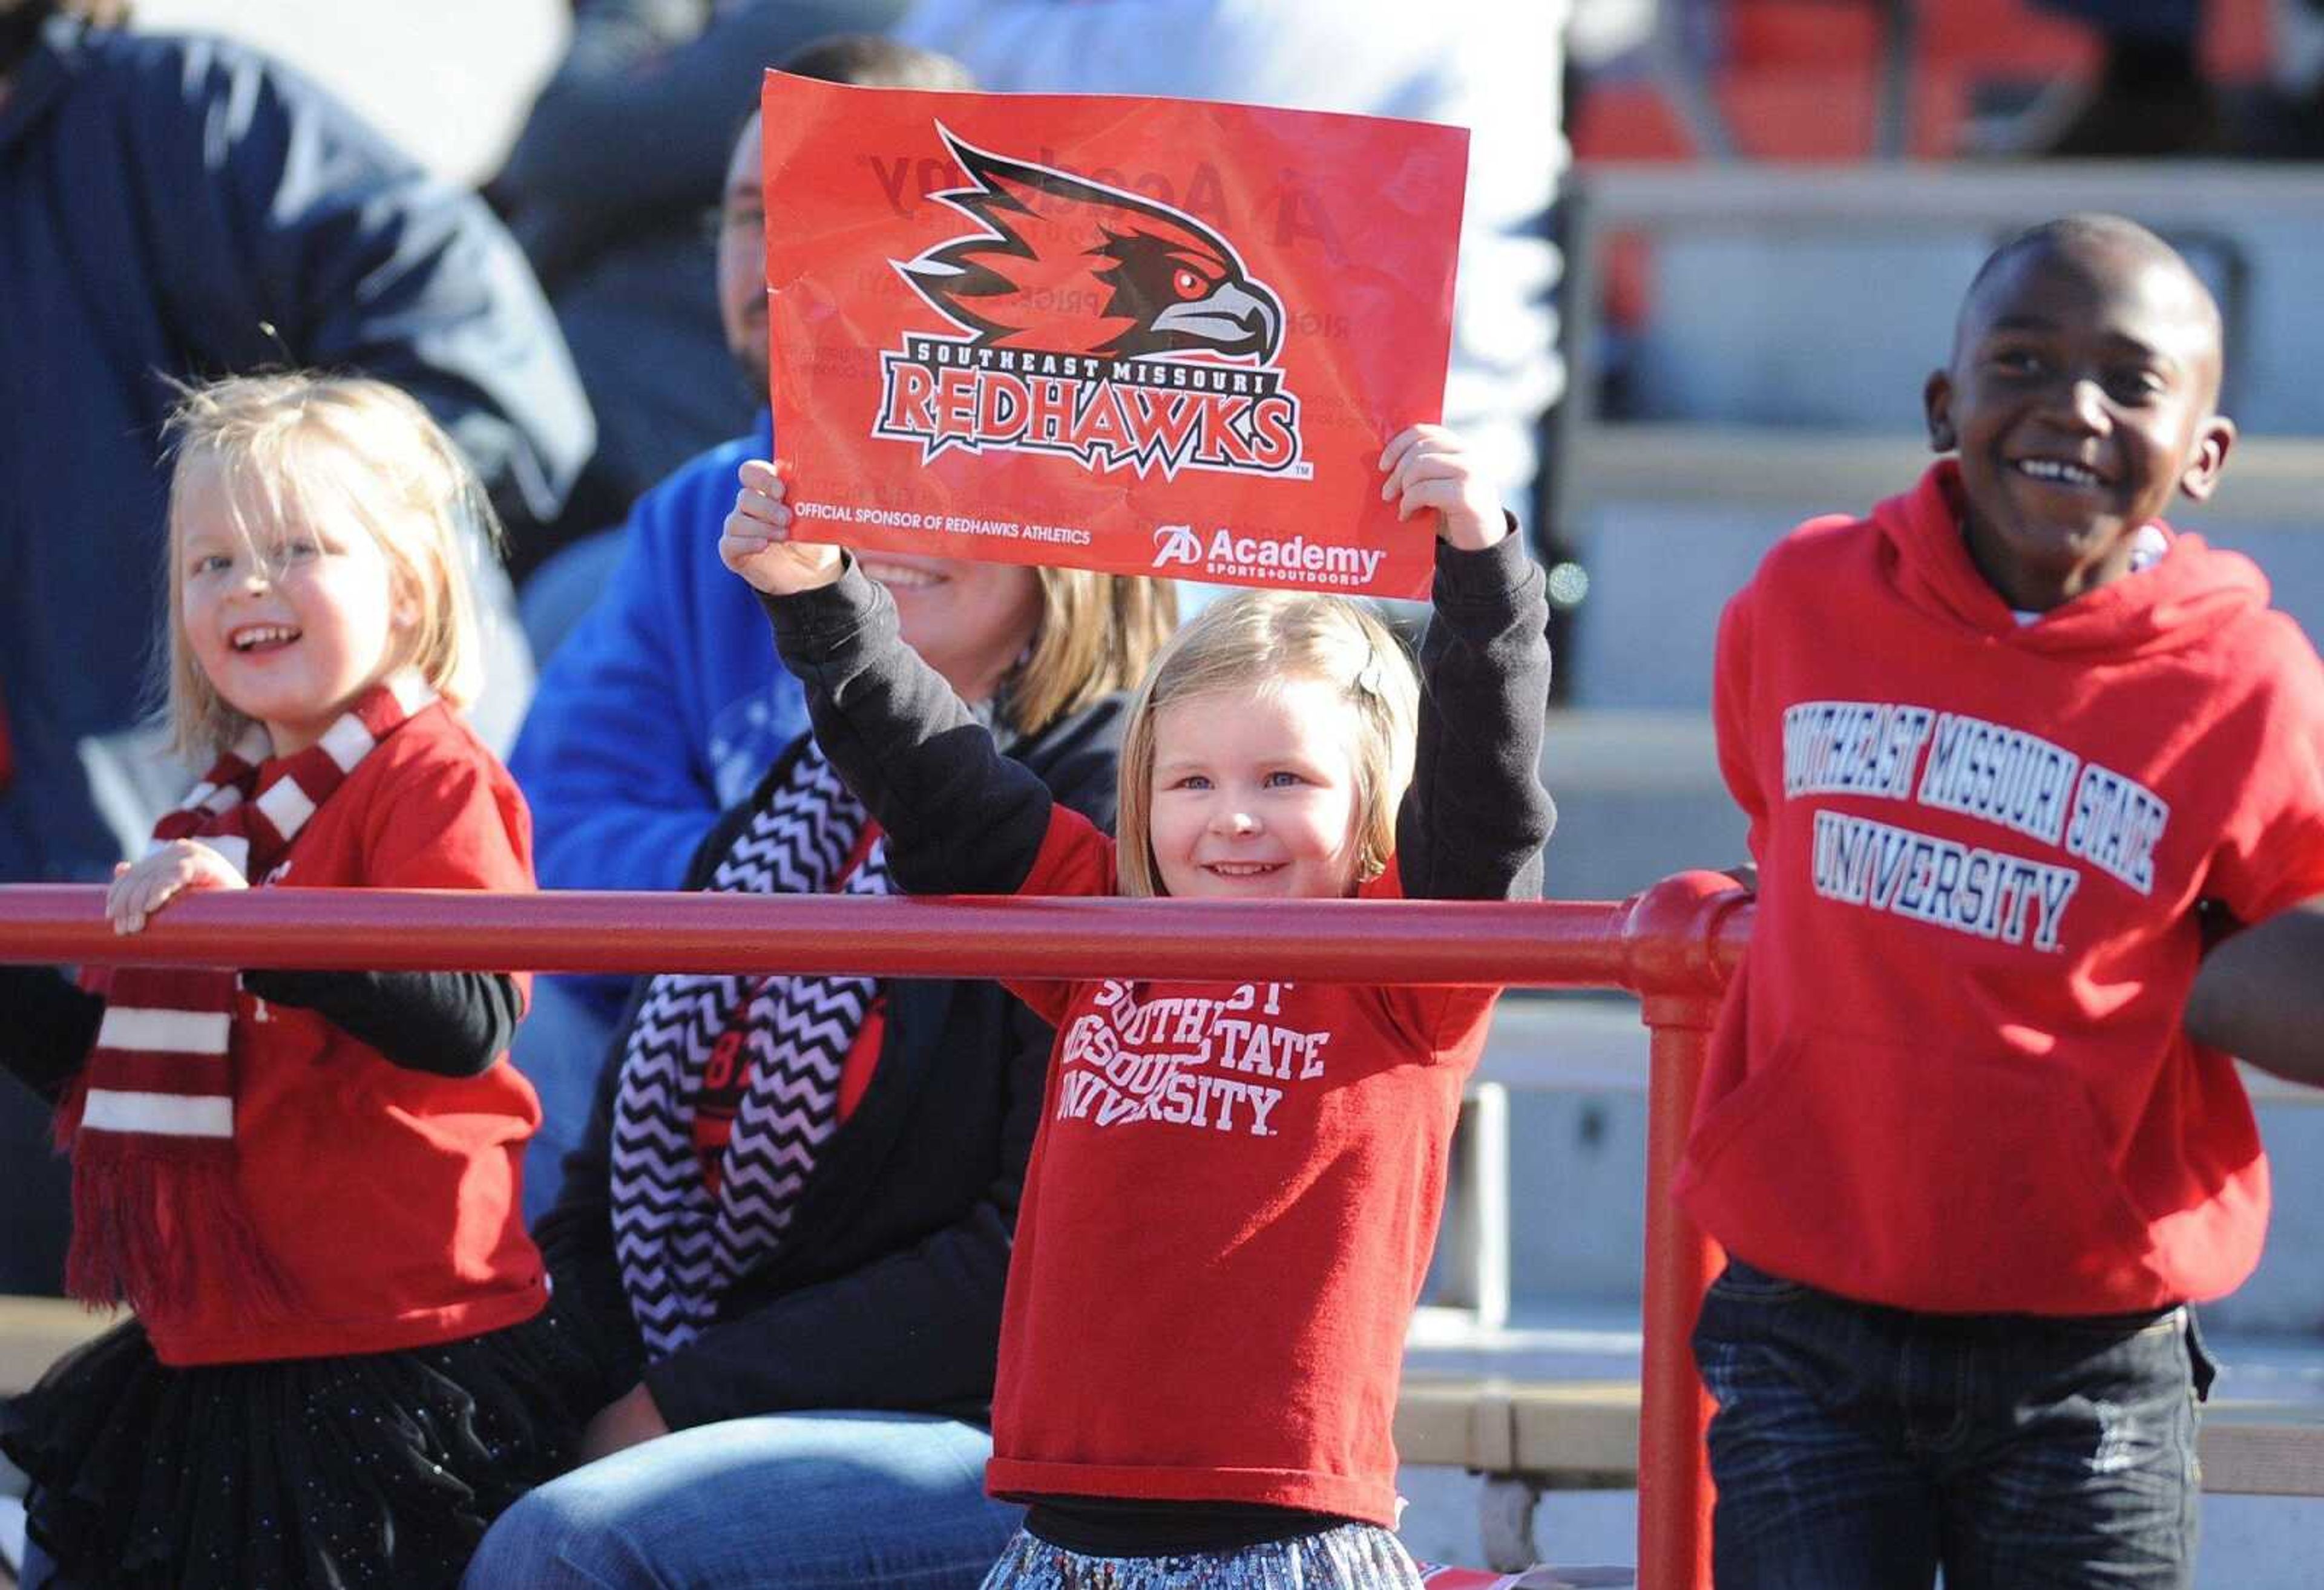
[450, 1023]
[1470, 825]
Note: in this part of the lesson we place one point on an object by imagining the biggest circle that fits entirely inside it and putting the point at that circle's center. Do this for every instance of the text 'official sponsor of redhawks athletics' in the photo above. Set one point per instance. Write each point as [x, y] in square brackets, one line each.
[1092, 324]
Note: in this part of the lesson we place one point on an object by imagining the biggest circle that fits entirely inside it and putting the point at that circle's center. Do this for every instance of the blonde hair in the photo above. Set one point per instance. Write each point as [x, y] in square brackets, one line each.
[307, 448]
[1097, 634]
[1249, 642]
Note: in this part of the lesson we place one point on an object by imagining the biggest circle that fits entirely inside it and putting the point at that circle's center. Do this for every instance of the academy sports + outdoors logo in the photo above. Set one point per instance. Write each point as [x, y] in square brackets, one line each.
[1232, 553]
[1176, 544]
[1094, 324]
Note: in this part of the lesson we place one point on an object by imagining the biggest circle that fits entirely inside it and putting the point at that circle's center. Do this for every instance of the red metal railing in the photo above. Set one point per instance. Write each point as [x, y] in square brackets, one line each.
[1673, 945]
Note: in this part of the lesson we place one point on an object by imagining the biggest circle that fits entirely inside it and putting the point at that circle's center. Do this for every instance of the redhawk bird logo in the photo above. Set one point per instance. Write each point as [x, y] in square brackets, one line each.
[1094, 324]
[1071, 266]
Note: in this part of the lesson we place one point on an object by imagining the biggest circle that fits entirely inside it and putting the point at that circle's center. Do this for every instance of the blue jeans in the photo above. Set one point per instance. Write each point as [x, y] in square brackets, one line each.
[806, 1500]
[1857, 1447]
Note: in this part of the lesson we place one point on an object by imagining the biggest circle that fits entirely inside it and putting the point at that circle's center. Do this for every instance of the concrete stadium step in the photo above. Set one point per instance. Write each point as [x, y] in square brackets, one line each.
[1522, 1442]
[1575, 1068]
[1671, 519]
[1583, 1435]
[1806, 293]
[1639, 798]
[1821, 470]
[35, 1332]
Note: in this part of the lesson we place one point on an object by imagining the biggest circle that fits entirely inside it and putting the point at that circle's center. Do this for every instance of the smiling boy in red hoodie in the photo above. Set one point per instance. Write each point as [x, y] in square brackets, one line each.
[2014, 754]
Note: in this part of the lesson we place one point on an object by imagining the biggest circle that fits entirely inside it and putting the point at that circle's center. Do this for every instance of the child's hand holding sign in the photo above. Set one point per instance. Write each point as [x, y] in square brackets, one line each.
[1427, 468]
[756, 541]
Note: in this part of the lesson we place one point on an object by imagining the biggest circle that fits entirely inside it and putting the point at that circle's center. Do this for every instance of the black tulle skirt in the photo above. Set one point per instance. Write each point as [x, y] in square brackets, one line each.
[309, 1473]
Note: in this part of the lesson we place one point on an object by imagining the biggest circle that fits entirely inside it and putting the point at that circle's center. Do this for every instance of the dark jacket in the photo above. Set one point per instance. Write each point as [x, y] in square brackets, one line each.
[620, 158]
[183, 209]
[886, 1294]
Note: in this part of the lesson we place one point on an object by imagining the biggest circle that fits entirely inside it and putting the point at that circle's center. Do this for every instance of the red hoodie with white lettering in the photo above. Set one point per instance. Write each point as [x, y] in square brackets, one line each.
[1951, 1076]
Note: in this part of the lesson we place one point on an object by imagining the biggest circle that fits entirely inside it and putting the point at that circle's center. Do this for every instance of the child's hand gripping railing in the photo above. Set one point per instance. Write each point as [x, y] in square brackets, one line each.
[1673, 945]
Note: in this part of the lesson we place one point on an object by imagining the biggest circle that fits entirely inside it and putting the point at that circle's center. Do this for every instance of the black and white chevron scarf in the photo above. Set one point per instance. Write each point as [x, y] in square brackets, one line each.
[680, 1244]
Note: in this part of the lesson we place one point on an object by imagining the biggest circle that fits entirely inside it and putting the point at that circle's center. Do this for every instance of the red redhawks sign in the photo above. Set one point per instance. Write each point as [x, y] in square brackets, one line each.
[1147, 336]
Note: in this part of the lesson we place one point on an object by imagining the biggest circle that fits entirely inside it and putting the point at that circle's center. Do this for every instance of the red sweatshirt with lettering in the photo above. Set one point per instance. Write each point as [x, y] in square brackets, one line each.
[1228, 1214]
[1951, 1075]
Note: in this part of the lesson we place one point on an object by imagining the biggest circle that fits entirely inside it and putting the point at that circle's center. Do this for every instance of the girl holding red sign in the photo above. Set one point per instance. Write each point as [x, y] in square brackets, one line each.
[1236, 1186]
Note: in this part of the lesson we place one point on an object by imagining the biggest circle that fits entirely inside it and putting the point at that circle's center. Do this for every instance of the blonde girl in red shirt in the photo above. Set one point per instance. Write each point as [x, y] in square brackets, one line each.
[305, 1183]
[1231, 1200]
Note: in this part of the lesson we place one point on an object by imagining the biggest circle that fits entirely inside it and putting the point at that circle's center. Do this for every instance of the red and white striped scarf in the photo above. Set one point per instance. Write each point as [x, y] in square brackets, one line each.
[151, 1128]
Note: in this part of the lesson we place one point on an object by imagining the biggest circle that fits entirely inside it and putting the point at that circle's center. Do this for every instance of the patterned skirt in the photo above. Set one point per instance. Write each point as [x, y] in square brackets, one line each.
[374, 1471]
[1352, 1556]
